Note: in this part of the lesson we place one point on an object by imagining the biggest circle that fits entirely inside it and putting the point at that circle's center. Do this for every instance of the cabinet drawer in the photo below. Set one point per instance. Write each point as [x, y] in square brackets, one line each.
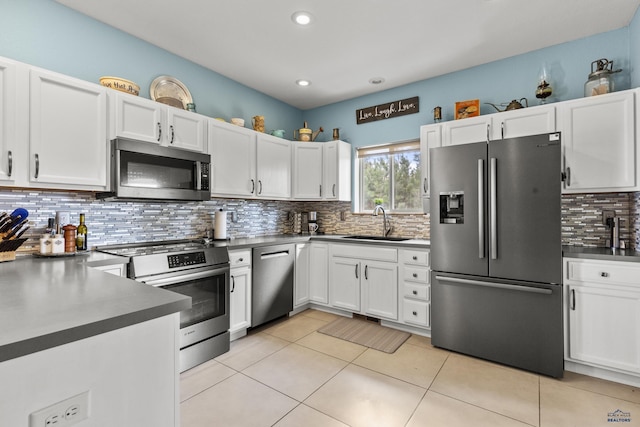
[615, 273]
[365, 252]
[414, 290]
[416, 274]
[240, 258]
[416, 312]
[415, 257]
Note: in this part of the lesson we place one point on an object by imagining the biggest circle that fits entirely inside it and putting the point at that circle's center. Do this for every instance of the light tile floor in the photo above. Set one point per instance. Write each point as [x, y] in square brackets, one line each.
[287, 374]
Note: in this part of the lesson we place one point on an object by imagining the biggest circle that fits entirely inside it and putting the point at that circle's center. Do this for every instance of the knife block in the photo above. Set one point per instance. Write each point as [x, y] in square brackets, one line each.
[8, 247]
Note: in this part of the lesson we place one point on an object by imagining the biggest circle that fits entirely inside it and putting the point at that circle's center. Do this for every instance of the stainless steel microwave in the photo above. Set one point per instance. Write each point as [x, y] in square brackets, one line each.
[143, 170]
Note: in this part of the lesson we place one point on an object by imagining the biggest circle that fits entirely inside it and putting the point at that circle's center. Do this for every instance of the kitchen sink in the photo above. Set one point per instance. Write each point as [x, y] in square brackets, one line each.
[387, 239]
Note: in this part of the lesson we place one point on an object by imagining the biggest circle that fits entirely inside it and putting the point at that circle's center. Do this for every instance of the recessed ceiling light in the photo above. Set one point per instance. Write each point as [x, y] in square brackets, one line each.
[303, 82]
[376, 80]
[302, 18]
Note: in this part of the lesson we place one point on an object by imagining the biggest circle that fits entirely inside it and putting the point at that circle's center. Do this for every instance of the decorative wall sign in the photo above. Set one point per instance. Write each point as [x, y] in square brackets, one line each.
[388, 110]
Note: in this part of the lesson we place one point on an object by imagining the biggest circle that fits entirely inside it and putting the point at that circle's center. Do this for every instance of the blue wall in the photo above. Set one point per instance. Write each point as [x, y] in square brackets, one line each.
[49, 35]
[496, 82]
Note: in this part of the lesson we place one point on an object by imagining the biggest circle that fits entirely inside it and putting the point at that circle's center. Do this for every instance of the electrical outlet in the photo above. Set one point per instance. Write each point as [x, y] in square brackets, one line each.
[62, 414]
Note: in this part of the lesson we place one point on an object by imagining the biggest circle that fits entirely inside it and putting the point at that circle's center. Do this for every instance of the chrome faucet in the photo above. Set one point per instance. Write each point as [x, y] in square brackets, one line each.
[386, 225]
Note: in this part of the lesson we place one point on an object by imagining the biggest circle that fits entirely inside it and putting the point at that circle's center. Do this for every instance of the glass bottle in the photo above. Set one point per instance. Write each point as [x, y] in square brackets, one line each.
[81, 235]
[544, 89]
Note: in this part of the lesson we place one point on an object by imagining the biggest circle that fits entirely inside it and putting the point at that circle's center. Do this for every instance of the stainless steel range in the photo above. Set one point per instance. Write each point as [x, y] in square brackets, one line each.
[194, 269]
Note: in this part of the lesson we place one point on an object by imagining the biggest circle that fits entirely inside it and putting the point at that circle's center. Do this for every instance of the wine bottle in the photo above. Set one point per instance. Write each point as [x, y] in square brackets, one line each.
[81, 236]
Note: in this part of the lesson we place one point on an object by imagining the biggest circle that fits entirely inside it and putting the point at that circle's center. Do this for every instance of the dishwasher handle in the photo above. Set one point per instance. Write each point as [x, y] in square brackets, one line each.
[272, 255]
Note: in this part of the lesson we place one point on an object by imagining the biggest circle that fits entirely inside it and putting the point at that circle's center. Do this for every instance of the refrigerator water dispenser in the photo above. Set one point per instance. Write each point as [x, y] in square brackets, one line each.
[452, 207]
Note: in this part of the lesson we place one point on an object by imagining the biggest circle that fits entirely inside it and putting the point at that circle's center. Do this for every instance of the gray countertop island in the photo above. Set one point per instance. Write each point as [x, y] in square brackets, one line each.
[46, 302]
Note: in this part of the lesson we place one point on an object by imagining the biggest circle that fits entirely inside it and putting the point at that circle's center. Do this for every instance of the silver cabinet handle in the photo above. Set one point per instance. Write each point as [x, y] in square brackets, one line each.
[172, 135]
[415, 257]
[488, 128]
[415, 275]
[240, 259]
[573, 299]
[568, 177]
[425, 186]
[494, 205]
[259, 186]
[159, 131]
[604, 274]
[320, 190]
[333, 190]
[10, 166]
[37, 166]
[253, 186]
[356, 271]
[415, 313]
[415, 292]
[520, 288]
[502, 130]
[481, 253]
[366, 272]
[233, 283]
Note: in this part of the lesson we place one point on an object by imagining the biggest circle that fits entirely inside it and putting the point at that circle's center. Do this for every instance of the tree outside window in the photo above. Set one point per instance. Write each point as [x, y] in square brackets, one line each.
[390, 173]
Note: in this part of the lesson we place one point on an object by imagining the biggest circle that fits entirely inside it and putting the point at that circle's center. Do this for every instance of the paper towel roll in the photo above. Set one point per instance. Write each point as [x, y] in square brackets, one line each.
[220, 225]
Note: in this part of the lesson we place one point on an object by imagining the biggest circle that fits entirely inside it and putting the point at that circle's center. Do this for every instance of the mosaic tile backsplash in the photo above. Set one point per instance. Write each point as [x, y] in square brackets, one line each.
[125, 222]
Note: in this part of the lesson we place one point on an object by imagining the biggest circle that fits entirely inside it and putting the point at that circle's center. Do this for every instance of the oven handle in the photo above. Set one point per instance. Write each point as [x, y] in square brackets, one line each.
[185, 277]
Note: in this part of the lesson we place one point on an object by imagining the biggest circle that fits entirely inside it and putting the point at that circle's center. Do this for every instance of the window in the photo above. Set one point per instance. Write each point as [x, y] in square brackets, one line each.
[390, 175]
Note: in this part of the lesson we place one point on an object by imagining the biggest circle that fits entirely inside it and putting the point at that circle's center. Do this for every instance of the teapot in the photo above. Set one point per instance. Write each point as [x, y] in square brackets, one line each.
[513, 105]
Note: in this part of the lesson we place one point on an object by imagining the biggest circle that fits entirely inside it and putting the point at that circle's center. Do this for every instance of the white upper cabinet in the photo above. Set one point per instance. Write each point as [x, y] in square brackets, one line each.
[273, 167]
[8, 143]
[465, 131]
[523, 122]
[233, 160]
[322, 170]
[598, 136]
[145, 120]
[336, 171]
[308, 170]
[67, 132]
[430, 137]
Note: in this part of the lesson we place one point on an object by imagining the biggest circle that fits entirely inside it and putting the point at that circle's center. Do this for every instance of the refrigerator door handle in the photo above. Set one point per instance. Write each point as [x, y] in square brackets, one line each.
[518, 288]
[493, 216]
[481, 208]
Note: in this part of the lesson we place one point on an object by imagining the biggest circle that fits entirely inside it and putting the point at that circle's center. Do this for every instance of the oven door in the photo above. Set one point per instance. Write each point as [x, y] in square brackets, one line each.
[209, 292]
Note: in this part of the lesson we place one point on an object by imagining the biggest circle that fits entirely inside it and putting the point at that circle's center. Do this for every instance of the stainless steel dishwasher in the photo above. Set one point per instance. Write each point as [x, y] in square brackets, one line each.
[272, 282]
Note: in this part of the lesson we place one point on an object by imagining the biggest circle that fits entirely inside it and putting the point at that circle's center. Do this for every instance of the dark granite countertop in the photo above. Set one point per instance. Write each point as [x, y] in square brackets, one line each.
[603, 254]
[47, 302]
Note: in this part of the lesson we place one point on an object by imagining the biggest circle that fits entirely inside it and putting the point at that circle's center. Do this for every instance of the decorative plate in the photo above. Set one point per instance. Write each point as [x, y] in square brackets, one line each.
[170, 91]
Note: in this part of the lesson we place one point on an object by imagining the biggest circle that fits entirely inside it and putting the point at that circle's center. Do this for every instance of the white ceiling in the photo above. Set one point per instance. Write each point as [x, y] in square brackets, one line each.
[255, 42]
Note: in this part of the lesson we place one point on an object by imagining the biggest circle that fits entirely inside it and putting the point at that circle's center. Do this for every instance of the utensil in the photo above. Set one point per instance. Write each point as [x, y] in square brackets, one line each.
[14, 229]
[21, 212]
[170, 87]
[21, 232]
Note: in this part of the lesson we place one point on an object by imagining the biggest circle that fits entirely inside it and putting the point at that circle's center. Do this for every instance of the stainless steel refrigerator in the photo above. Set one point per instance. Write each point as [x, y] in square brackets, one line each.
[497, 251]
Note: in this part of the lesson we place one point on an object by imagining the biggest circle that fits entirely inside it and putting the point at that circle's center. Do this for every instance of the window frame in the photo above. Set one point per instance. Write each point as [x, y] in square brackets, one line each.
[390, 149]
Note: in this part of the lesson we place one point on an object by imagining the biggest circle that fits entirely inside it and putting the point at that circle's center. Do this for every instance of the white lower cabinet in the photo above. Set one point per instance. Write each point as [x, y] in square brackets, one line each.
[602, 306]
[415, 287]
[240, 300]
[301, 283]
[364, 279]
[318, 273]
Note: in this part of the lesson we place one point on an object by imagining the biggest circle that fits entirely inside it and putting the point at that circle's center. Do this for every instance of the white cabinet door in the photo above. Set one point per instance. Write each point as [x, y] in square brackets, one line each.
[380, 289]
[598, 136]
[604, 326]
[301, 287]
[68, 133]
[465, 131]
[136, 118]
[233, 160]
[318, 273]
[307, 171]
[273, 167]
[430, 137]
[240, 301]
[186, 129]
[8, 144]
[337, 171]
[523, 122]
[344, 282]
